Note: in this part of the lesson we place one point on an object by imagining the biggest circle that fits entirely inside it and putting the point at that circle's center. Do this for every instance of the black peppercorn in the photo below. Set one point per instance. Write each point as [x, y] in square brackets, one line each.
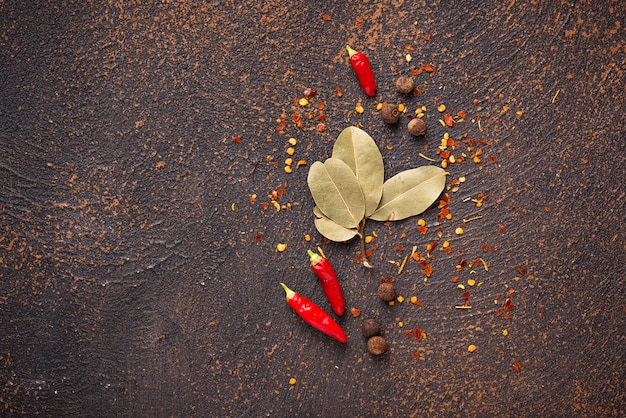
[370, 327]
[405, 85]
[386, 292]
[417, 127]
[377, 345]
[390, 113]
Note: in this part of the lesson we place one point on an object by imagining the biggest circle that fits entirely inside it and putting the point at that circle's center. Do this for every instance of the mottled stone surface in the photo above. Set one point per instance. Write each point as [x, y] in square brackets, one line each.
[139, 276]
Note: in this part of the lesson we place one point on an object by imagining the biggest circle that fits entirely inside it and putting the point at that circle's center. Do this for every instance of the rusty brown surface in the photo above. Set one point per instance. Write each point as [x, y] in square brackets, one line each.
[133, 281]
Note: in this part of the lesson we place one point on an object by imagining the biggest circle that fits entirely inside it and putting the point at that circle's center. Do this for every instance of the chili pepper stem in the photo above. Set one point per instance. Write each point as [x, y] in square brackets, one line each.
[351, 51]
[288, 292]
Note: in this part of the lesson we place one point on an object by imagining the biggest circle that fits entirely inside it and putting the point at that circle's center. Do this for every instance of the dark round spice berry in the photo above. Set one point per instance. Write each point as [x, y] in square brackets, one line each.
[377, 345]
[390, 113]
[417, 127]
[386, 292]
[370, 327]
[405, 85]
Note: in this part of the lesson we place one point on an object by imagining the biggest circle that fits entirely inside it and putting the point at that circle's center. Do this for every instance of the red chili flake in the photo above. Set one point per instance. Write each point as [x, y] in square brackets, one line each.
[521, 270]
[516, 366]
[508, 305]
[428, 269]
[484, 142]
[449, 120]
[320, 105]
[321, 117]
[409, 48]
[417, 72]
[265, 205]
[428, 68]
[461, 114]
[326, 17]
[258, 238]
[237, 139]
[321, 127]
[492, 159]
[399, 247]
[339, 92]
[359, 21]
[423, 230]
[487, 248]
[426, 37]
[418, 334]
[502, 228]
[476, 101]
[499, 311]
[281, 126]
[445, 154]
[416, 91]
[295, 117]
[309, 93]
[455, 279]
[409, 333]
[417, 256]
[416, 355]
[355, 312]
[357, 259]
[461, 262]
[430, 247]
[368, 253]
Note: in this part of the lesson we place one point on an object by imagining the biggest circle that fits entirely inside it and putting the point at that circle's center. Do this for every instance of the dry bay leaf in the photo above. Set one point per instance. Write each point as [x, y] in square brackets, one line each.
[330, 229]
[336, 191]
[410, 193]
[359, 151]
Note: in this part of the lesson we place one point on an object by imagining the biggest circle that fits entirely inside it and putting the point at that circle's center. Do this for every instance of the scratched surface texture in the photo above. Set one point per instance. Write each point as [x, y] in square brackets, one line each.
[139, 274]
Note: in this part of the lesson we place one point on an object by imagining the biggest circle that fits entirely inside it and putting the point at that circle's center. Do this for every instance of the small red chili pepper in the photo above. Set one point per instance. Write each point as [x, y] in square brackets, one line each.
[314, 315]
[363, 70]
[325, 273]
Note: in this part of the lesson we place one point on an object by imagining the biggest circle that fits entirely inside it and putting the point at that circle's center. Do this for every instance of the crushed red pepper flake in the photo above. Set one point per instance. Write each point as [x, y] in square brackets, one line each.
[517, 367]
[449, 121]
[326, 17]
[237, 139]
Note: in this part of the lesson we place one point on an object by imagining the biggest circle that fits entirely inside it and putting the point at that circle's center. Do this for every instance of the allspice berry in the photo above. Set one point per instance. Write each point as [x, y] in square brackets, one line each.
[417, 127]
[390, 113]
[405, 85]
[377, 345]
[370, 327]
[386, 292]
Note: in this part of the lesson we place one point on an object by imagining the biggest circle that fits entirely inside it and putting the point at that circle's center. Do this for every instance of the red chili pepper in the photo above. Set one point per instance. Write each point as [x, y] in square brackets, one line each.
[314, 315]
[363, 70]
[325, 273]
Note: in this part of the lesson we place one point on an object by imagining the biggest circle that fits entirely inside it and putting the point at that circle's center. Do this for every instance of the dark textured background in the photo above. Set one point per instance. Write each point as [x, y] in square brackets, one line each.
[132, 282]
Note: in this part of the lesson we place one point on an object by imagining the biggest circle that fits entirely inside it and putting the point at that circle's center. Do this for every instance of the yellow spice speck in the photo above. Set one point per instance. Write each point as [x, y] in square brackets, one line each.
[281, 247]
[459, 231]
[359, 108]
[472, 348]
[293, 141]
[303, 102]
[441, 108]
[291, 151]
[293, 381]
[288, 169]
